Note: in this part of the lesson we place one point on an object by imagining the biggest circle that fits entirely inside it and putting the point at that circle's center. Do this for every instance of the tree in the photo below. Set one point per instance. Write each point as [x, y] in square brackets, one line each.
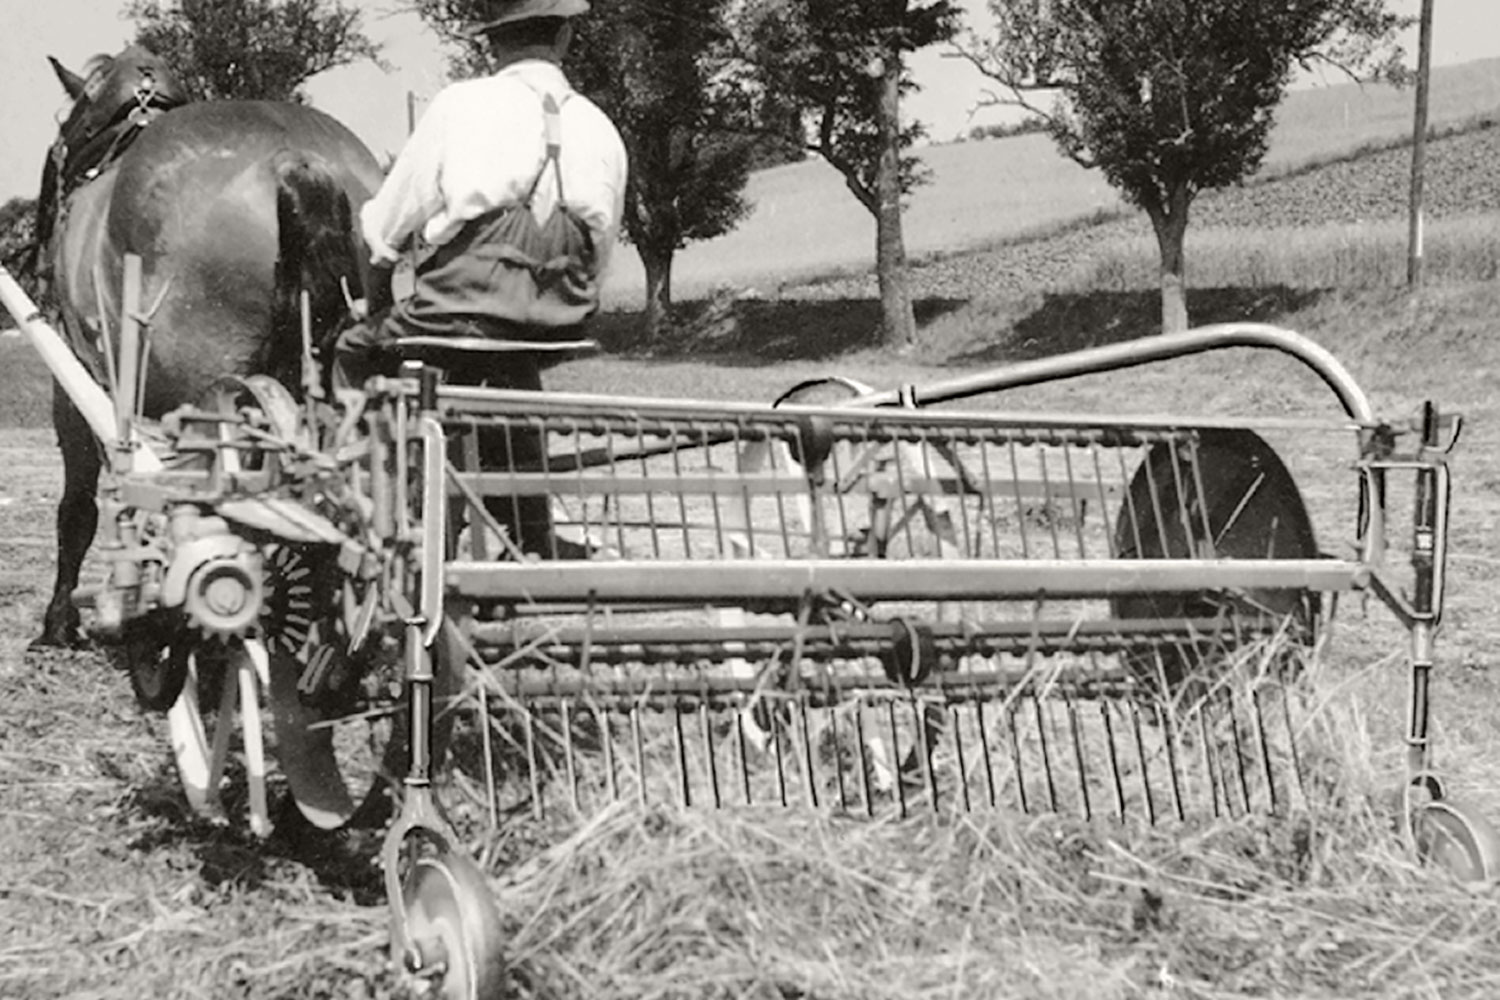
[1170, 98]
[18, 243]
[844, 63]
[251, 49]
[667, 76]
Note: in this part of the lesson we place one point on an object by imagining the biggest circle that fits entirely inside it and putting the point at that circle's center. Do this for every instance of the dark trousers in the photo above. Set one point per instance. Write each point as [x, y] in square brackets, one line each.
[365, 350]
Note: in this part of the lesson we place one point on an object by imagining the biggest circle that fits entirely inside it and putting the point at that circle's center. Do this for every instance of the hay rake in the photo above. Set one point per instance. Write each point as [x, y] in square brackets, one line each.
[871, 602]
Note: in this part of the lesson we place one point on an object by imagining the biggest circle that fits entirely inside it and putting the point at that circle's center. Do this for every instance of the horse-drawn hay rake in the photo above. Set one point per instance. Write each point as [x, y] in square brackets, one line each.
[853, 599]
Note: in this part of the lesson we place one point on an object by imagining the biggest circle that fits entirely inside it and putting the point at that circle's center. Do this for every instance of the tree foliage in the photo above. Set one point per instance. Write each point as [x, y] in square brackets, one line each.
[844, 63]
[831, 57]
[17, 242]
[1169, 98]
[667, 76]
[251, 49]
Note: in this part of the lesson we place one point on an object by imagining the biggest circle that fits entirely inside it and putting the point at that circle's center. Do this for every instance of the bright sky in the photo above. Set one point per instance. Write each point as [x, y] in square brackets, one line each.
[374, 103]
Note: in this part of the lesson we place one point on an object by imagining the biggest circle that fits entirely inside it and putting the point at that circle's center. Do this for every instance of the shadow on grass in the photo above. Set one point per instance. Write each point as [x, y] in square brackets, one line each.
[229, 855]
[754, 331]
[1075, 321]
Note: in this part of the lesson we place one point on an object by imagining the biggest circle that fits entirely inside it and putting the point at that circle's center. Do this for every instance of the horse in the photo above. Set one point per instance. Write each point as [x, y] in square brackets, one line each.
[235, 208]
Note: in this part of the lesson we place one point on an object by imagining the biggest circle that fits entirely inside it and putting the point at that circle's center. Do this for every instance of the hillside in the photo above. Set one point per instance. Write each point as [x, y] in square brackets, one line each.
[1462, 181]
[806, 224]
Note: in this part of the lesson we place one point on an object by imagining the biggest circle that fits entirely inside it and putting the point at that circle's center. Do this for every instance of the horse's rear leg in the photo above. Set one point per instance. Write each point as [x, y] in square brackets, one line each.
[77, 517]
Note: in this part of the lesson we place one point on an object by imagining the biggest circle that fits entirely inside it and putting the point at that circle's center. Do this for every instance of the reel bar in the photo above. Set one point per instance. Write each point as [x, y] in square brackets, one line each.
[683, 692]
[880, 580]
[1164, 347]
[709, 418]
[1059, 635]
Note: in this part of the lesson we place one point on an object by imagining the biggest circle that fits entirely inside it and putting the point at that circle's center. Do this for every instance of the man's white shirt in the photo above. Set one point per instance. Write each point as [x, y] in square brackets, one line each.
[480, 145]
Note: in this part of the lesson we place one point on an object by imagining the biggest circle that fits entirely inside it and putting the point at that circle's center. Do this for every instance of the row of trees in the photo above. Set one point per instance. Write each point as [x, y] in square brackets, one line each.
[1168, 98]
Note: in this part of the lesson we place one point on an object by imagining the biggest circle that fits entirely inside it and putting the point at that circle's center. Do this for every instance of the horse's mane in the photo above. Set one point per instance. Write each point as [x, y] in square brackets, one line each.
[95, 67]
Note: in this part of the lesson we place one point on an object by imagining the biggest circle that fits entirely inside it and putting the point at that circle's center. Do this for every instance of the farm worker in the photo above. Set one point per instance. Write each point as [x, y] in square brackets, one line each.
[516, 184]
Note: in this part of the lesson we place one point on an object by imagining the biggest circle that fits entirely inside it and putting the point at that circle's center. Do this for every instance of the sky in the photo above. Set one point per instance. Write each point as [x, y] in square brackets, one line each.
[373, 102]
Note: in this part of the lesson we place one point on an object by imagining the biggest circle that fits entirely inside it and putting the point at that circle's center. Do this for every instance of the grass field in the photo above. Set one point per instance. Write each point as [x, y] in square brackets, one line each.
[108, 889]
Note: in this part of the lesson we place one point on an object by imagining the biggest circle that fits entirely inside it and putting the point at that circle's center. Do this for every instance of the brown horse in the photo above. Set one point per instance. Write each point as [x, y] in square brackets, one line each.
[234, 207]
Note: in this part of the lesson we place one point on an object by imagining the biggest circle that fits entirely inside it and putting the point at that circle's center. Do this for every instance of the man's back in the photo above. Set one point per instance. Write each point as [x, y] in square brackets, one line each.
[482, 144]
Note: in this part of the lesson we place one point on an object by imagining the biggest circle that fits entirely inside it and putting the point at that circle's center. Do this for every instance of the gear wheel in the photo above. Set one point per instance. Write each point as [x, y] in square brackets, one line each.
[293, 581]
[224, 598]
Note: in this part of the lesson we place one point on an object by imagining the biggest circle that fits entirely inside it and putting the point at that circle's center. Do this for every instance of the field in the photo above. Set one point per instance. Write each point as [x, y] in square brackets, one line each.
[983, 193]
[109, 890]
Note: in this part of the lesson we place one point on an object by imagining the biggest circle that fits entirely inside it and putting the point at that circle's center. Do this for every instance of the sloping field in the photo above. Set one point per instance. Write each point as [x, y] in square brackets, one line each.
[806, 222]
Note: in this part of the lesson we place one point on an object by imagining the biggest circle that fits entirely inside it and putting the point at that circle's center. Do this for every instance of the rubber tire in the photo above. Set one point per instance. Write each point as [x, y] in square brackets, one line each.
[450, 910]
[1457, 838]
[1231, 462]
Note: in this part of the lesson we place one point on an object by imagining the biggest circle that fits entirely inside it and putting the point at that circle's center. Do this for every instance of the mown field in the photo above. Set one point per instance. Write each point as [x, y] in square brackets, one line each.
[109, 890]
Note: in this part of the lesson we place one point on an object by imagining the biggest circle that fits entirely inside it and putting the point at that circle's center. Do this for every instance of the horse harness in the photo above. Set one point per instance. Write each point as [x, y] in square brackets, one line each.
[68, 168]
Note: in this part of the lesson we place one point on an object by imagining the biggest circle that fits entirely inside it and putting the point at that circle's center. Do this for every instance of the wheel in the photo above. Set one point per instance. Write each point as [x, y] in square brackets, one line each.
[201, 743]
[154, 656]
[454, 927]
[1457, 838]
[1230, 497]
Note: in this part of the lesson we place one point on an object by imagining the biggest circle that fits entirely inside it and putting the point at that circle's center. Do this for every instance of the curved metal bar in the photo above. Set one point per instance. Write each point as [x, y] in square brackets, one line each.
[1146, 350]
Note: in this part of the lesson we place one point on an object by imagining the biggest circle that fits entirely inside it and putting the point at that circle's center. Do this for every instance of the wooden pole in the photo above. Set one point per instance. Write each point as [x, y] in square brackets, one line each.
[1419, 149]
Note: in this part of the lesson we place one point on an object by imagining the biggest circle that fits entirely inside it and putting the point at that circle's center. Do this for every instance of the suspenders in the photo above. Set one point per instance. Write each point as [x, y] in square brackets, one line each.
[552, 118]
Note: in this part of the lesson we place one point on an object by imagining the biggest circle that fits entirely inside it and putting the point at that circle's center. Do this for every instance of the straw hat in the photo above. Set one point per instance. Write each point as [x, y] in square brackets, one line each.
[498, 12]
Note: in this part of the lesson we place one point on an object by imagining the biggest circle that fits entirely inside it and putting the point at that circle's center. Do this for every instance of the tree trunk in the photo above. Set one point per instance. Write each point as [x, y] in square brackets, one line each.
[658, 266]
[899, 324]
[1171, 231]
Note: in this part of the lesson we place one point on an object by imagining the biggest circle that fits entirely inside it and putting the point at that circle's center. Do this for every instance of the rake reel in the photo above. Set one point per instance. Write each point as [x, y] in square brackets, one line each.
[868, 602]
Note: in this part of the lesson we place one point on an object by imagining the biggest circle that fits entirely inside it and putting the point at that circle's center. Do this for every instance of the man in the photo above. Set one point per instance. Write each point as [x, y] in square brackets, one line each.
[516, 184]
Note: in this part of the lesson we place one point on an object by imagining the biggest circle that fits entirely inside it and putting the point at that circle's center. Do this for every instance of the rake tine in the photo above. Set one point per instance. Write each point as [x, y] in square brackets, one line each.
[1258, 720]
[679, 744]
[491, 792]
[1114, 759]
[864, 757]
[1291, 741]
[1214, 779]
[984, 753]
[780, 762]
[638, 738]
[1140, 750]
[923, 748]
[710, 755]
[890, 707]
[533, 767]
[740, 755]
[1169, 741]
[810, 773]
[1043, 717]
[1239, 751]
[565, 707]
[956, 720]
[1078, 754]
[1015, 750]
[838, 756]
[610, 771]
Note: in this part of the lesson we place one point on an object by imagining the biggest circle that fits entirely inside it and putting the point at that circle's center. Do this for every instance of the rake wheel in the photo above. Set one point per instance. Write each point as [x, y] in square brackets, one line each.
[1227, 497]
[1456, 837]
[454, 927]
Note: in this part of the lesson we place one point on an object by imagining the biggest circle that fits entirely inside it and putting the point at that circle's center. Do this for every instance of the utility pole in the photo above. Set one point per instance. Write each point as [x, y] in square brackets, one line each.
[1419, 149]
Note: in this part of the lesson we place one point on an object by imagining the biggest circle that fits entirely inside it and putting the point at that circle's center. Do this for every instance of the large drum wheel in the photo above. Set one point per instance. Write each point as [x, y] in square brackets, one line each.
[454, 927]
[1457, 838]
[1229, 496]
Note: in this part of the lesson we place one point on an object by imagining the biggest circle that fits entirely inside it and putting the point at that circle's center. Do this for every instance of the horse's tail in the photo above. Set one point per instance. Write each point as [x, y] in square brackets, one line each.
[318, 252]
